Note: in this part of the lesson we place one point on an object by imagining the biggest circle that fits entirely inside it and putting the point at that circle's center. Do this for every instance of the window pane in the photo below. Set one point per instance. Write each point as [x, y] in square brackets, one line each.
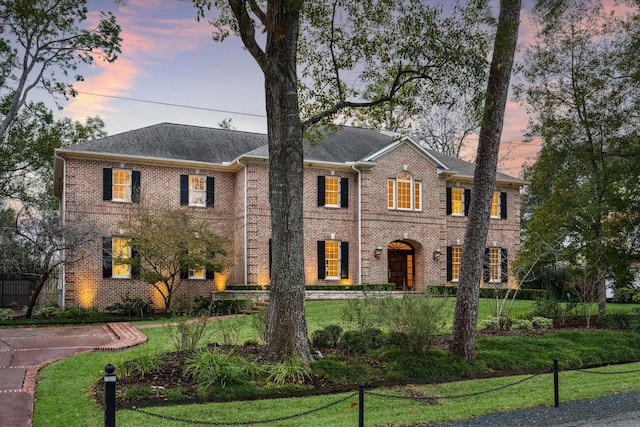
[457, 201]
[121, 185]
[391, 194]
[404, 194]
[456, 258]
[495, 205]
[494, 264]
[332, 259]
[417, 196]
[197, 190]
[121, 251]
[331, 191]
[197, 273]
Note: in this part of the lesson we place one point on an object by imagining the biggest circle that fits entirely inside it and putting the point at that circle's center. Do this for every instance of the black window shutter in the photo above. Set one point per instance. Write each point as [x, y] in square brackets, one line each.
[135, 267]
[321, 269]
[135, 186]
[320, 190]
[344, 260]
[210, 187]
[344, 192]
[184, 271]
[467, 201]
[106, 257]
[208, 272]
[184, 190]
[107, 185]
[503, 205]
[504, 272]
[449, 264]
[485, 265]
[449, 210]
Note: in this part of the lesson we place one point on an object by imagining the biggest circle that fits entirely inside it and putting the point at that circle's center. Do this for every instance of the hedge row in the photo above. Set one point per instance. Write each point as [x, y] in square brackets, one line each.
[357, 287]
[440, 290]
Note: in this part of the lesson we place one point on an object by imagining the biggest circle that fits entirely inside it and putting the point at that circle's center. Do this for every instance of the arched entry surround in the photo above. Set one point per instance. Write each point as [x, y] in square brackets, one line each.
[405, 267]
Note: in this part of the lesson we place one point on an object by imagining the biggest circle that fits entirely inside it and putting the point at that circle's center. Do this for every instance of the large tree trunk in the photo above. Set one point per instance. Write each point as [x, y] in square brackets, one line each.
[466, 313]
[287, 330]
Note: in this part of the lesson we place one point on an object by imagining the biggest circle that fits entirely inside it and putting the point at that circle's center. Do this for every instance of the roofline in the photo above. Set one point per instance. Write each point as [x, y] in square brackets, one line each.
[408, 139]
[90, 155]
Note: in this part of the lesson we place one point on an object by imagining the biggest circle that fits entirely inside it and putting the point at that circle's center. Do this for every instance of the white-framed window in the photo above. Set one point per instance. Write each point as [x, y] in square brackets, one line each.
[495, 265]
[120, 253]
[457, 201]
[495, 205]
[404, 193]
[197, 272]
[332, 259]
[121, 185]
[197, 190]
[332, 191]
[456, 259]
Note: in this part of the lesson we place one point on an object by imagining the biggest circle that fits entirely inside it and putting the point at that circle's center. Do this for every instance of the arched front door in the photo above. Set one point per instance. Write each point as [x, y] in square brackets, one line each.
[401, 265]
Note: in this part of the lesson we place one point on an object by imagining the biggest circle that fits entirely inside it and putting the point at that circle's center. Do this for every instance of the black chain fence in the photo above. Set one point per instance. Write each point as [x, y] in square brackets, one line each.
[110, 401]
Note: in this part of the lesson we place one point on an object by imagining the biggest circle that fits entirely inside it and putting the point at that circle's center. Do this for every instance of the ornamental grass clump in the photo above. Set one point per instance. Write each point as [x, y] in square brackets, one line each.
[210, 368]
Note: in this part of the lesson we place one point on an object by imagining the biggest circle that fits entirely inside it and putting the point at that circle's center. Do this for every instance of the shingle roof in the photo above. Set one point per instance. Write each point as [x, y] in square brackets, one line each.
[179, 142]
[338, 144]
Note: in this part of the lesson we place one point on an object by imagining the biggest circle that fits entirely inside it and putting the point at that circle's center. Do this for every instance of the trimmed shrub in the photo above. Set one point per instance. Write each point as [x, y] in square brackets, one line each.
[223, 307]
[354, 342]
[131, 306]
[542, 323]
[327, 337]
[521, 325]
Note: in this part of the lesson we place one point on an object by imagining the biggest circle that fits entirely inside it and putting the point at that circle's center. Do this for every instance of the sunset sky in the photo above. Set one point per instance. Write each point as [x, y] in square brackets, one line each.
[170, 58]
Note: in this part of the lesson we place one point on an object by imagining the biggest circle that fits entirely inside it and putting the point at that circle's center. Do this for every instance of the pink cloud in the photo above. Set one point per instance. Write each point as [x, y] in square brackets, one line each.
[145, 42]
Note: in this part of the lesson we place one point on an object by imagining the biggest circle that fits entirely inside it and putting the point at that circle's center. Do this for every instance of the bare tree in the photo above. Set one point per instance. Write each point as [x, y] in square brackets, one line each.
[51, 244]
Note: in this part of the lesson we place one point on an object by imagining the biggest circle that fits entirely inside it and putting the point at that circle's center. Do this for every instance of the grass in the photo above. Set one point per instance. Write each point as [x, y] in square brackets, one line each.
[79, 373]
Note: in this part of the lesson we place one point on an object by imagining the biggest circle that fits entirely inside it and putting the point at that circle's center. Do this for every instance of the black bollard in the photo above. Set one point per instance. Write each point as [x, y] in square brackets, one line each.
[110, 396]
[556, 393]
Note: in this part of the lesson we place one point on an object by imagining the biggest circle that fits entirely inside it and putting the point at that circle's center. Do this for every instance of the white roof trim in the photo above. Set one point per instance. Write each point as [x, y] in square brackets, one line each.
[402, 140]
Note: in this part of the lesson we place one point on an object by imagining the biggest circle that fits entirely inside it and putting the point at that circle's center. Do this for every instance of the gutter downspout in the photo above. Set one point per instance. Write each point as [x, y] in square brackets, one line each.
[244, 222]
[62, 280]
[353, 166]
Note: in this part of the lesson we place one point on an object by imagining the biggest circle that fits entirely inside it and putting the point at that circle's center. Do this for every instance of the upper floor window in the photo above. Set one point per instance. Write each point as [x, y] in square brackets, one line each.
[333, 191]
[404, 193]
[499, 205]
[121, 185]
[333, 259]
[458, 201]
[196, 190]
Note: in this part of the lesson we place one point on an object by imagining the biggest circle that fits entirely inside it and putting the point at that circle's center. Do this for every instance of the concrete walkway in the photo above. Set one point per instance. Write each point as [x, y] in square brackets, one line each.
[24, 351]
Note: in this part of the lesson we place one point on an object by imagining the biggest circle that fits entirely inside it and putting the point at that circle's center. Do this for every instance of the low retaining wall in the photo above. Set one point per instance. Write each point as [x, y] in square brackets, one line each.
[263, 296]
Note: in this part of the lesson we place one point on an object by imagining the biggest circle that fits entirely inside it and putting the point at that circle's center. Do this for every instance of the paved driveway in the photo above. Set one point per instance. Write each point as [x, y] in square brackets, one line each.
[24, 351]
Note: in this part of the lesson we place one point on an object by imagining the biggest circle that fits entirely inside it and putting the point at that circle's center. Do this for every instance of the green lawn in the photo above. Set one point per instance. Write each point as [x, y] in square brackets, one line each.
[76, 375]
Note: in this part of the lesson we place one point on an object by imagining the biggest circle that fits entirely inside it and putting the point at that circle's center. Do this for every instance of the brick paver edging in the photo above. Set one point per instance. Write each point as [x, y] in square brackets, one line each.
[125, 335]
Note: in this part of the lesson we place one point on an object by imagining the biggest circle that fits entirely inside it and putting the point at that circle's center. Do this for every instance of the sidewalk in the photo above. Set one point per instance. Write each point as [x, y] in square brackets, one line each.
[24, 351]
[618, 410]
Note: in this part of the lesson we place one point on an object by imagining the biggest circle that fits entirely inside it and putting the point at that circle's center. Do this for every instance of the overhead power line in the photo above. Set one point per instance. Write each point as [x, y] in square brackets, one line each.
[124, 98]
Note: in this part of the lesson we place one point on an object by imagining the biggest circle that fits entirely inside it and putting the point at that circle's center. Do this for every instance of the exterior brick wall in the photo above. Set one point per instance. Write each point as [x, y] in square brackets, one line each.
[241, 213]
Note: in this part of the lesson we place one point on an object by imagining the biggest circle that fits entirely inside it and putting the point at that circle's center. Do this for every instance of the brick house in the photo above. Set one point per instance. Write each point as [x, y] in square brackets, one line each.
[377, 208]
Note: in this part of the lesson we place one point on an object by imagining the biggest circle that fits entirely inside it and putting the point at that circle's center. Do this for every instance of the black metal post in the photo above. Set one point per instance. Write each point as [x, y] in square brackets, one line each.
[361, 405]
[110, 396]
[556, 393]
